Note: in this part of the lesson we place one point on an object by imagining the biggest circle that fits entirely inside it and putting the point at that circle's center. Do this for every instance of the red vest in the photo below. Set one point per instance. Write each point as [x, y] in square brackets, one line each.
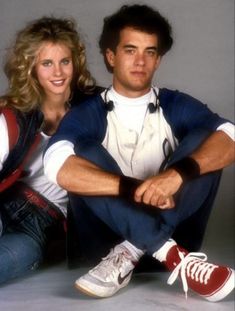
[23, 133]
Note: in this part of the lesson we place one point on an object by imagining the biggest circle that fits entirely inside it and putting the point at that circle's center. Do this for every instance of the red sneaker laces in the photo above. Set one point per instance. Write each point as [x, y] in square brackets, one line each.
[193, 265]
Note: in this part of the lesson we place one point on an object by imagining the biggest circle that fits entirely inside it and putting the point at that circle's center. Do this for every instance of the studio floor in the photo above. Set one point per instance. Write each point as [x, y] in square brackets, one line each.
[51, 288]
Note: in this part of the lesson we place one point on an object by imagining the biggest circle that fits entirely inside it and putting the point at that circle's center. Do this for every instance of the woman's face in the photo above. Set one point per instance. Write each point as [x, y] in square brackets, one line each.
[54, 68]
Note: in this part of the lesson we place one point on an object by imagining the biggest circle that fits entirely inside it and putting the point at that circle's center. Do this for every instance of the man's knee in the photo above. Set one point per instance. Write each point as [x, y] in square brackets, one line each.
[188, 144]
[97, 154]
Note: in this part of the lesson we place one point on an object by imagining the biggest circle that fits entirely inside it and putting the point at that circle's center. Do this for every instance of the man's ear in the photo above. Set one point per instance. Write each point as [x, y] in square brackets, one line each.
[110, 57]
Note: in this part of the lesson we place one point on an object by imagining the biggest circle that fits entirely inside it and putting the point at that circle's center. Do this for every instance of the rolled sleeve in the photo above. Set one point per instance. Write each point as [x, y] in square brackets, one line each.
[228, 128]
[55, 157]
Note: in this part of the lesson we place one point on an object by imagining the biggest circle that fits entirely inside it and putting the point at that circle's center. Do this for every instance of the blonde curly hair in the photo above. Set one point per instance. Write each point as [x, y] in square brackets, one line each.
[25, 92]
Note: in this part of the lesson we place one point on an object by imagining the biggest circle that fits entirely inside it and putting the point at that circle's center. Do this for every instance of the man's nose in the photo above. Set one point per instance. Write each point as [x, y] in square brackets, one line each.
[140, 59]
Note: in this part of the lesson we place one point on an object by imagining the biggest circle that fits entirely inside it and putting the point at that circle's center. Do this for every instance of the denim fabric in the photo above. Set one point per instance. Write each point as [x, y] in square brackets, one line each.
[145, 227]
[23, 238]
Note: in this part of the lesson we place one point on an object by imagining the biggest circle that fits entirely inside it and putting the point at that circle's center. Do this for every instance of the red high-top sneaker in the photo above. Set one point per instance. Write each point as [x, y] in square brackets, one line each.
[211, 281]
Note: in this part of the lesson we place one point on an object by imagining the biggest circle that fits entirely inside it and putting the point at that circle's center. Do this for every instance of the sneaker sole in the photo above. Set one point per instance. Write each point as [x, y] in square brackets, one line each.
[224, 290]
[86, 291]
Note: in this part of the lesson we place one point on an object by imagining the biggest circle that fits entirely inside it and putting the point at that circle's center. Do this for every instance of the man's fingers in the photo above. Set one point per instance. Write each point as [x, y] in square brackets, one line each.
[149, 194]
[169, 203]
[140, 191]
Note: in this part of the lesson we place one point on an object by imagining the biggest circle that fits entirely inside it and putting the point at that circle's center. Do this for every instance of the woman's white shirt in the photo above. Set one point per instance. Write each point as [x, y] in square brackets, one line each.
[33, 170]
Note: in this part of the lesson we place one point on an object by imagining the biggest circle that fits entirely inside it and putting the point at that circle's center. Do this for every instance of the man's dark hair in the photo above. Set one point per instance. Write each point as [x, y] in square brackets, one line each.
[140, 17]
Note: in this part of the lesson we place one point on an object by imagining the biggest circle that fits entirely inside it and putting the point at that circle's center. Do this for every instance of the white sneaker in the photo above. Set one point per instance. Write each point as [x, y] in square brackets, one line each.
[111, 274]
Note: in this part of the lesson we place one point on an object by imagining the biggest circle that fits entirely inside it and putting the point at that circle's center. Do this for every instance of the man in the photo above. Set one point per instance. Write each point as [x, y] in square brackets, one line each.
[144, 161]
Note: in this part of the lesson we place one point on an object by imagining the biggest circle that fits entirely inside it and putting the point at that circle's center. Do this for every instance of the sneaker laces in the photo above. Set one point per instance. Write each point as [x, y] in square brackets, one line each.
[111, 265]
[193, 265]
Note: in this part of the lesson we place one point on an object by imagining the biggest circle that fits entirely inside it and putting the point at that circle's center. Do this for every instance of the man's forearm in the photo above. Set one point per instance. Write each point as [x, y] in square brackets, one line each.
[80, 176]
[215, 153]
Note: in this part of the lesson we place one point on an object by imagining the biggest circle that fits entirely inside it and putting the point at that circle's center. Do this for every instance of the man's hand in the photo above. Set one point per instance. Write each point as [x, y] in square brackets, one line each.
[158, 191]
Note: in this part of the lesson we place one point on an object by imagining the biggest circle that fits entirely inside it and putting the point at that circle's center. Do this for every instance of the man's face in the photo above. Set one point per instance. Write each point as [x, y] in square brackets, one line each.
[134, 62]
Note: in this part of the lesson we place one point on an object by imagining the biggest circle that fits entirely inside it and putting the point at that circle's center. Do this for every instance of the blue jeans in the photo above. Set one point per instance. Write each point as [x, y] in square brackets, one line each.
[23, 235]
[145, 227]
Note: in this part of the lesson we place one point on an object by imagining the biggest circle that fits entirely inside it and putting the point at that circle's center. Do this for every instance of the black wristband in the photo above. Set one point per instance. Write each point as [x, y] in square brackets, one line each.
[128, 186]
[188, 168]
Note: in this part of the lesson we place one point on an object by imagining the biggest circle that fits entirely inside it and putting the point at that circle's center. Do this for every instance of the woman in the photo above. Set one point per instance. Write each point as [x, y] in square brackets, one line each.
[47, 74]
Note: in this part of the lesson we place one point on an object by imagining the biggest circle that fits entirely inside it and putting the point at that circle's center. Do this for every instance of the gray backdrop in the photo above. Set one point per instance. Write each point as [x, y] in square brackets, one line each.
[201, 62]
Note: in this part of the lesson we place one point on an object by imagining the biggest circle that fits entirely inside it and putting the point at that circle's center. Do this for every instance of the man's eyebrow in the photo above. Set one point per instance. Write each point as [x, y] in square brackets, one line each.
[134, 47]
[151, 48]
[129, 46]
